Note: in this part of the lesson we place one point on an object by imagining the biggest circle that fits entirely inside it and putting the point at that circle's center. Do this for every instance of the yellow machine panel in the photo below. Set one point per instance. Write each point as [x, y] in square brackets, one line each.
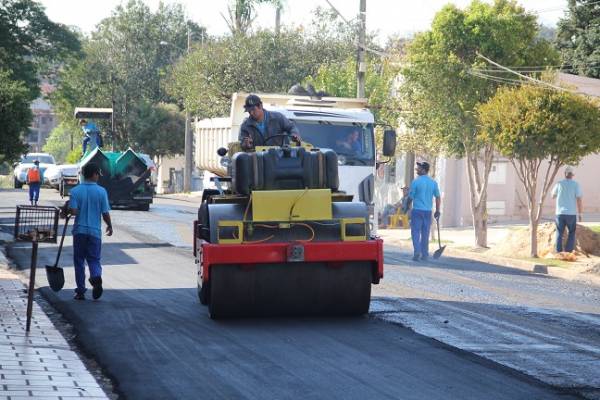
[291, 205]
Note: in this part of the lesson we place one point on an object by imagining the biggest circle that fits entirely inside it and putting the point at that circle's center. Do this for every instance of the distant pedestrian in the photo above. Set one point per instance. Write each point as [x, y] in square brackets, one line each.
[89, 203]
[34, 181]
[422, 191]
[569, 203]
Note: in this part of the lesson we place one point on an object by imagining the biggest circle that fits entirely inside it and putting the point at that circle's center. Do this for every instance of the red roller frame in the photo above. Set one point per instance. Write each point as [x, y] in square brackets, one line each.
[265, 253]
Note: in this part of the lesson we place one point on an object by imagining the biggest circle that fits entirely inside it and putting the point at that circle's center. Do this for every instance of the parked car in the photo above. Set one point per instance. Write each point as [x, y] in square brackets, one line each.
[20, 172]
[54, 174]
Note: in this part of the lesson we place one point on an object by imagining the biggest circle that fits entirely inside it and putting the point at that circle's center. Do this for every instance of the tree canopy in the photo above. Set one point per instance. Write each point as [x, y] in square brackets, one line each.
[30, 44]
[125, 66]
[440, 89]
[260, 62]
[578, 37]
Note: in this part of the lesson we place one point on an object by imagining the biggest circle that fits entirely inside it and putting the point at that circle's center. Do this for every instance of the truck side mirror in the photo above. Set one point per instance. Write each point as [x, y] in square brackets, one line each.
[222, 151]
[389, 143]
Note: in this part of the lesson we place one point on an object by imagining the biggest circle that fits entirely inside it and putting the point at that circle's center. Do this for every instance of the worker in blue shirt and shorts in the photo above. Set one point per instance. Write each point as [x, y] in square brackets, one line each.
[89, 203]
[422, 191]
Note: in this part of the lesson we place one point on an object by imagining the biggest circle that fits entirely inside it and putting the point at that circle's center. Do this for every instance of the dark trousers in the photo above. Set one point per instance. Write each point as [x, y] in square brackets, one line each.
[34, 191]
[86, 248]
[420, 224]
[565, 221]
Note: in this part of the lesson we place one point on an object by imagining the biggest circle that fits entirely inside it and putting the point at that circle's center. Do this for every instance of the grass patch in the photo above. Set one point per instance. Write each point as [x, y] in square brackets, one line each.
[6, 181]
[595, 228]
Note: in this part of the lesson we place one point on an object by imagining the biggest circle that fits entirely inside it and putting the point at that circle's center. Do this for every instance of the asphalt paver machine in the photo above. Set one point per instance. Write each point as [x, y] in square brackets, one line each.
[125, 175]
[277, 238]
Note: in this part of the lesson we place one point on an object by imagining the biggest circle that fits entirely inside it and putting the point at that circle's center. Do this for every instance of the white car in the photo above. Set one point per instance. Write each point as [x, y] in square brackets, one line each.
[20, 172]
[54, 173]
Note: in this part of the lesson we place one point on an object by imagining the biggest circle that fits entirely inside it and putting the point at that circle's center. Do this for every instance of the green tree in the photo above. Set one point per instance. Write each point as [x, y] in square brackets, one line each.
[125, 64]
[439, 92]
[540, 130]
[157, 130]
[15, 116]
[339, 79]
[241, 14]
[29, 44]
[261, 62]
[578, 37]
[63, 138]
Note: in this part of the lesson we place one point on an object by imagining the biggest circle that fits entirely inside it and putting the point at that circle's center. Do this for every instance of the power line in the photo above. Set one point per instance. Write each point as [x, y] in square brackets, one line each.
[537, 81]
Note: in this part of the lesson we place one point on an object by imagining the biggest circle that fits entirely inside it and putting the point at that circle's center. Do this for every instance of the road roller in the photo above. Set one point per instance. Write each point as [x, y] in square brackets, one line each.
[277, 238]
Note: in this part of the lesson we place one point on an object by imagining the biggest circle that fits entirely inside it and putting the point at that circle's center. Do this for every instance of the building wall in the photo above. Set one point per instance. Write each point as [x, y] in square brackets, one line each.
[44, 120]
[506, 197]
[164, 183]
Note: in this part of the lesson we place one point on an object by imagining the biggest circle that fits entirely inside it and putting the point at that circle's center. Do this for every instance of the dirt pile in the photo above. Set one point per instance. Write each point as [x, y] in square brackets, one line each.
[517, 243]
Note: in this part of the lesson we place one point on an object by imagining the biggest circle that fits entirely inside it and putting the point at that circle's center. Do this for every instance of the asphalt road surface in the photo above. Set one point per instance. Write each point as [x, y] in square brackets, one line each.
[155, 340]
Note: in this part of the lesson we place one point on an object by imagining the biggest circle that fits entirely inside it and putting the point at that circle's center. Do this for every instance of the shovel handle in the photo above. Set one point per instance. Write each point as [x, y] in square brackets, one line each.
[437, 222]
[62, 240]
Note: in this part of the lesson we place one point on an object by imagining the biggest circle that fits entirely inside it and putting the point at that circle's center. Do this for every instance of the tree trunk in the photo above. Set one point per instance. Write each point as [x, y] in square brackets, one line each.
[478, 180]
[480, 225]
[533, 225]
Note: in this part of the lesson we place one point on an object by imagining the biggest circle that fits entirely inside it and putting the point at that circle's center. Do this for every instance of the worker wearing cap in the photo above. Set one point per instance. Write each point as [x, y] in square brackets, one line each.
[34, 181]
[262, 124]
[92, 137]
[569, 203]
[88, 202]
[422, 191]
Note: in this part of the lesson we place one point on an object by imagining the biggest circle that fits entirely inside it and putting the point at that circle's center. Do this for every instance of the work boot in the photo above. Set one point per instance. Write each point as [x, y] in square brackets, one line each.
[96, 283]
[79, 296]
[415, 257]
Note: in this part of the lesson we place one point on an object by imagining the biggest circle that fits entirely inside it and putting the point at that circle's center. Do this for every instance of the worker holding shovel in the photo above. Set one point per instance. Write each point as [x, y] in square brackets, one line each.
[422, 191]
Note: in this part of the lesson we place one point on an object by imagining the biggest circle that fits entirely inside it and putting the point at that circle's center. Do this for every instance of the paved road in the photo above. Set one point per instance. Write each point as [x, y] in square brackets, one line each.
[156, 341]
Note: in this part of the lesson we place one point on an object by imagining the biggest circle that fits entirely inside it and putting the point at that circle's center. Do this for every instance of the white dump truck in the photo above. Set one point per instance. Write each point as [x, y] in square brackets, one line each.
[342, 124]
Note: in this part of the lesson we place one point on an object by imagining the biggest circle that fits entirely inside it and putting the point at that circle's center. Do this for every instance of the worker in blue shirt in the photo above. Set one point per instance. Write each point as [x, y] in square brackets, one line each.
[422, 191]
[89, 203]
[569, 204]
[92, 137]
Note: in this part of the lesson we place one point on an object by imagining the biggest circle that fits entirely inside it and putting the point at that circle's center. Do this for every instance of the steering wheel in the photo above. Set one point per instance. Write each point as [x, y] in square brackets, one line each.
[285, 135]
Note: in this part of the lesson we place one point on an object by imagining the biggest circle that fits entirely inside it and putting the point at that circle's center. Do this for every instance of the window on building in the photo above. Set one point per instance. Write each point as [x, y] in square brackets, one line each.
[498, 173]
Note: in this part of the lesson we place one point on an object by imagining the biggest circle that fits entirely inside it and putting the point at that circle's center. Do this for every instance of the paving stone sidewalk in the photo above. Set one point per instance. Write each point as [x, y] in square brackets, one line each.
[39, 364]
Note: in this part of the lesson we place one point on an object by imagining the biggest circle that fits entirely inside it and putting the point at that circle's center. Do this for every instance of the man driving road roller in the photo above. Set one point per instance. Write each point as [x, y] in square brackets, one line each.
[262, 125]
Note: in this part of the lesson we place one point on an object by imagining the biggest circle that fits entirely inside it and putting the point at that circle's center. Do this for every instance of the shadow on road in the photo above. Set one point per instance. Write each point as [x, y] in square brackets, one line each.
[397, 256]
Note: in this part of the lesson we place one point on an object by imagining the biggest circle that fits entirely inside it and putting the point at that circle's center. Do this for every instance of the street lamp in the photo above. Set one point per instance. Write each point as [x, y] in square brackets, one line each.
[189, 140]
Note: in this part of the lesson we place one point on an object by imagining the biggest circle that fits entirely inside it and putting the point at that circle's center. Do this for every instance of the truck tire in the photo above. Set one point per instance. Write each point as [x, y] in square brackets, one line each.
[17, 184]
[144, 207]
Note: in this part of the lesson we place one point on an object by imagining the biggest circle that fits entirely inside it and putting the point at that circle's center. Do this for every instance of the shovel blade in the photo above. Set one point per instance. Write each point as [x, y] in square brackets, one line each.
[438, 253]
[56, 277]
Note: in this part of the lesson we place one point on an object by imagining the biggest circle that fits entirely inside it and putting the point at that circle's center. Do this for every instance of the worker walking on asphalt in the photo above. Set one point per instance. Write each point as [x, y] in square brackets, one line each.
[569, 203]
[34, 181]
[89, 203]
[422, 191]
[263, 124]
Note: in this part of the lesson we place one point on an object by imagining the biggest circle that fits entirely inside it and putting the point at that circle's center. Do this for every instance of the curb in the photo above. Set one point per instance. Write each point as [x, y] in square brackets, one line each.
[575, 273]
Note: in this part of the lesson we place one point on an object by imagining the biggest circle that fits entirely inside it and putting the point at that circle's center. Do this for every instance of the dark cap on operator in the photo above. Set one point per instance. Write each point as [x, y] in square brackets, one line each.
[252, 101]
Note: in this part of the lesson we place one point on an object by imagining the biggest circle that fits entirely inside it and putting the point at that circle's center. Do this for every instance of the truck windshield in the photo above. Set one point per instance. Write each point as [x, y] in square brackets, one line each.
[44, 159]
[353, 142]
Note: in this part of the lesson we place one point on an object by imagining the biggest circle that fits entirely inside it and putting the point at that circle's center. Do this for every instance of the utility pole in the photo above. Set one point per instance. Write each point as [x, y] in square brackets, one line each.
[277, 19]
[361, 63]
[189, 139]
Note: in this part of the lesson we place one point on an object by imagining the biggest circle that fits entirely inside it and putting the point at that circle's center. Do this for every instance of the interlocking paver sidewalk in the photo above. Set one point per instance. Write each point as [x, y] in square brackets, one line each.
[39, 364]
